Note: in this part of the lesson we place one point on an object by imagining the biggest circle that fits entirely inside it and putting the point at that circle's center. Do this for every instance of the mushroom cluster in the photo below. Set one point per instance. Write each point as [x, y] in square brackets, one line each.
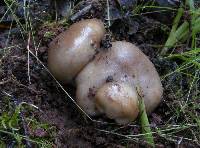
[106, 80]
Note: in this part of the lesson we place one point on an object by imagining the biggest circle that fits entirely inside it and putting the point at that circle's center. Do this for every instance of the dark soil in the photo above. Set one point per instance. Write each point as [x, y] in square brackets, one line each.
[72, 128]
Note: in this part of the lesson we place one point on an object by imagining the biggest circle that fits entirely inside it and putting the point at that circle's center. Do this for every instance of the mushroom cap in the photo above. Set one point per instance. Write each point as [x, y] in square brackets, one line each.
[122, 63]
[118, 101]
[73, 49]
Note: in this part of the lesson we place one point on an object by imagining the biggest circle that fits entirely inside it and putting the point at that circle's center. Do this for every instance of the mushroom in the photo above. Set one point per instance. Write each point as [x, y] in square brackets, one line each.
[122, 70]
[73, 49]
[108, 82]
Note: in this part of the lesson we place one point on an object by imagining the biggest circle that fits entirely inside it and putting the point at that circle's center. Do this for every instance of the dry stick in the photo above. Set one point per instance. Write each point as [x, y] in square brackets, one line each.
[28, 54]
[146, 130]
[81, 12]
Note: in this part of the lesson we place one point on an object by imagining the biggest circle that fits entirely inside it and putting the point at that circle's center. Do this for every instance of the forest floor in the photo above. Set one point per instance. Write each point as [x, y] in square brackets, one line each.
[35, 110]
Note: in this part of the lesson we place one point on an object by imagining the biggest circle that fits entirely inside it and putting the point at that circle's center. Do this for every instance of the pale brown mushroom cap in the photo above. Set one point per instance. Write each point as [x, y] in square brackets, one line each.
[144, 75]
[125, 63]
[74, 48]
[118, 101]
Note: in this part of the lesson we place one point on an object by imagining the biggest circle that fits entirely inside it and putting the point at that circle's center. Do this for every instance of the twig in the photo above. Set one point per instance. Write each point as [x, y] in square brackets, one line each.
[28, 51]
[81, 12]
